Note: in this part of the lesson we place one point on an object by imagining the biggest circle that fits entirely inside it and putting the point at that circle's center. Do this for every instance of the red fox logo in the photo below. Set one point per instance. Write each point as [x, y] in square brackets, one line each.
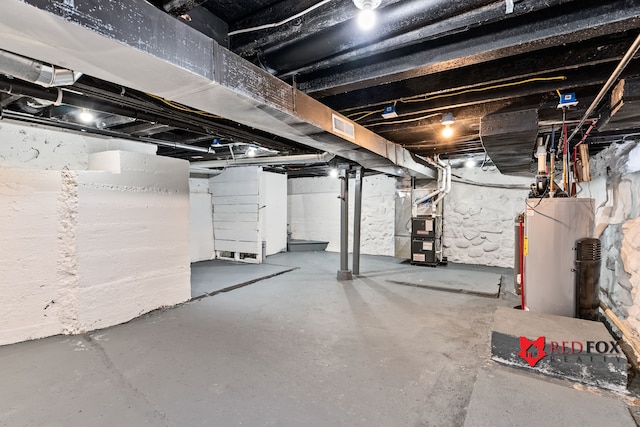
[531, 357]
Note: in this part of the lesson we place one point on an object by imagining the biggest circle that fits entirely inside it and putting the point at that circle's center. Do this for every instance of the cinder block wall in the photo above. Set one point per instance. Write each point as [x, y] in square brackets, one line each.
[87, 249]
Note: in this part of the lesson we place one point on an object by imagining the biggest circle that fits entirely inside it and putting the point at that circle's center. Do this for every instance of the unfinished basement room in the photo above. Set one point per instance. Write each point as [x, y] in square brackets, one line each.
[320, 213]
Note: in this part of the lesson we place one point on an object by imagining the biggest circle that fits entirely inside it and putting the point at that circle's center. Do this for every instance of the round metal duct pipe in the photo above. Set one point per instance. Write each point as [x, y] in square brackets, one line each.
[33, 71]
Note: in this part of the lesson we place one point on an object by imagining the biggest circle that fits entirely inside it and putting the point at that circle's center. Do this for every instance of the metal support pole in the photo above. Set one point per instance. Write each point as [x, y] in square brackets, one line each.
[357, 217]
[344, 273]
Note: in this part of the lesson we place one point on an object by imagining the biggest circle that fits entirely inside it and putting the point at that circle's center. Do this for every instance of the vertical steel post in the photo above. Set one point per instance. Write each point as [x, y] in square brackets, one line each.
[344, 273]
[357, 217]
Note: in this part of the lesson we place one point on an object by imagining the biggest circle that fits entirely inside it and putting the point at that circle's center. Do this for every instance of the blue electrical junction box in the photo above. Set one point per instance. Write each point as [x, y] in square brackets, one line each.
[567, 100]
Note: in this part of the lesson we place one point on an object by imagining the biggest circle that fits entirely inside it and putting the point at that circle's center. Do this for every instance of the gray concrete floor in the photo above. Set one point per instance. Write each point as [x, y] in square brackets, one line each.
[299, 349]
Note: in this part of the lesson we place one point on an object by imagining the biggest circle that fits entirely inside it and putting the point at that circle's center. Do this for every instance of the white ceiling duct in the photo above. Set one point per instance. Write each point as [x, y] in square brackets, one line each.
[104, 38]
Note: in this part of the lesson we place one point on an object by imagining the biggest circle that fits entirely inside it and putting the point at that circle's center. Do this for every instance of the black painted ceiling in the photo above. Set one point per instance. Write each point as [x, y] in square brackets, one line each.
[471, 58]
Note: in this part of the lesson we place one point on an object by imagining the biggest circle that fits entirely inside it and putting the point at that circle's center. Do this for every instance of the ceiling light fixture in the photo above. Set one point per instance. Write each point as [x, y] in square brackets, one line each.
[86, 116]
[447, 121]
[333, 173]
[251, 152]
[367, 14]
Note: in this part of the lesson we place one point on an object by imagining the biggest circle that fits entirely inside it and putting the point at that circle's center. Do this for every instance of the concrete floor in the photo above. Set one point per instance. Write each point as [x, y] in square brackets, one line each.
[299, 349]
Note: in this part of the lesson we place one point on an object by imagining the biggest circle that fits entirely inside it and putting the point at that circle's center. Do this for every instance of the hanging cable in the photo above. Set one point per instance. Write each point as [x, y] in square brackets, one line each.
[277, 24]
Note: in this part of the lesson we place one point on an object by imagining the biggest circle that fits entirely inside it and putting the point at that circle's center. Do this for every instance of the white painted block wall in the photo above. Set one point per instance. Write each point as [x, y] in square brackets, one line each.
[314, 212]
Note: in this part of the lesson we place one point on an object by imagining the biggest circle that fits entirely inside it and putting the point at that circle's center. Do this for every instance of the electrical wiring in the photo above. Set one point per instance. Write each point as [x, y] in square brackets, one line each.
[277, 24]
[482, 89]
[182, 107]
[403, 121]
[366, 114]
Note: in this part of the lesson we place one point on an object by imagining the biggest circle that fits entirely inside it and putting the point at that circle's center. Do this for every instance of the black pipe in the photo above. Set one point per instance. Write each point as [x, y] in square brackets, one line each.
[395, 19]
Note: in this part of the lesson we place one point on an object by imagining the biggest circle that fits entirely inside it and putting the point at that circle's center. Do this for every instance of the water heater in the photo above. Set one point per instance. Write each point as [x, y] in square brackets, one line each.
[552, 226]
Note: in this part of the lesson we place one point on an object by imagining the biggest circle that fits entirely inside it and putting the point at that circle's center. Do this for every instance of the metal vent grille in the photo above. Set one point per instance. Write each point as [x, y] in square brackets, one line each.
[343, 127]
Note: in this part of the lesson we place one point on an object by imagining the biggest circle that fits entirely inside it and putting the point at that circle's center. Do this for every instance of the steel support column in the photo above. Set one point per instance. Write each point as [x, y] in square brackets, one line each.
[344, 273]
[357, 217]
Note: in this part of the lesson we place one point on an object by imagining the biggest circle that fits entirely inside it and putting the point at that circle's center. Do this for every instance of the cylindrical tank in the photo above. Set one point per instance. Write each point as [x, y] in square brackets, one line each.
[588, 257]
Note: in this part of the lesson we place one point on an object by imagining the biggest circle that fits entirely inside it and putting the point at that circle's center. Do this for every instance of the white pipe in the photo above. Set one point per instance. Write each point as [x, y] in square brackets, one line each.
[275, 160]
[205, 171]
[442, 195]
[277, 24]
[441, 184]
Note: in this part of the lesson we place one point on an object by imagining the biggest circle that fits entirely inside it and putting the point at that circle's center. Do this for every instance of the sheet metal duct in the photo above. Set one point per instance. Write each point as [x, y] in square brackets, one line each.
[103, 39]
[509, 138]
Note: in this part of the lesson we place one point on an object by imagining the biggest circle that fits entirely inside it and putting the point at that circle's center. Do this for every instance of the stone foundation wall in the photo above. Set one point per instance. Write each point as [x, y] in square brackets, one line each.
[479, 220]
[616, 189]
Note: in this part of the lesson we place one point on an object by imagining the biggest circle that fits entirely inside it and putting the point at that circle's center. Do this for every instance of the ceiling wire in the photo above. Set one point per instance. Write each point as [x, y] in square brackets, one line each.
[482, 89]
[404, 121]
[184, 108]
[277, 24]
[366, 114]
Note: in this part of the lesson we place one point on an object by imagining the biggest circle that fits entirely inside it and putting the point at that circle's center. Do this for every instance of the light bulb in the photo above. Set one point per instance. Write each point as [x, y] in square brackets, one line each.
[86, 116]
[447, 132]
[469, 163]
[251, 152]
[333, 173]
[366, 19]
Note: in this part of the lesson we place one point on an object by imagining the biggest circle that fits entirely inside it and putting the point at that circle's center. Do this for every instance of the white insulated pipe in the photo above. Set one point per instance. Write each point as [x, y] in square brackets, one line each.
[441, 184]
[273, 160]
[447, 189]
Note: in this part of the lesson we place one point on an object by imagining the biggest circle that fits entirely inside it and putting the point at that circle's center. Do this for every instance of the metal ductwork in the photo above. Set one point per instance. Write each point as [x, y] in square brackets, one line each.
[191, 69]
[302, 159]
[509, 138]
[34, 71]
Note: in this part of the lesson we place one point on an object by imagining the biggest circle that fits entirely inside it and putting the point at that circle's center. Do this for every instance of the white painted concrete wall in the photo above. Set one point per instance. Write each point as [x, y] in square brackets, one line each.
[479, 220]
[200, 220]
[36, 147]
[87, 249]
[132, 237]
[29, 208]
[616, 190]
[314, 212]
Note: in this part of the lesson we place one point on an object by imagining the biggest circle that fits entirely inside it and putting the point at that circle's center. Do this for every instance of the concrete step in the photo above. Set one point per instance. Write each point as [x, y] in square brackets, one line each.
[563, 347]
